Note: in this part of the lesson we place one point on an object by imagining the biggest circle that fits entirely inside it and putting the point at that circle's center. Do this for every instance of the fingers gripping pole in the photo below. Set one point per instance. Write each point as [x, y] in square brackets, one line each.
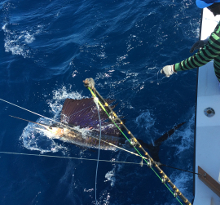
[90, 84]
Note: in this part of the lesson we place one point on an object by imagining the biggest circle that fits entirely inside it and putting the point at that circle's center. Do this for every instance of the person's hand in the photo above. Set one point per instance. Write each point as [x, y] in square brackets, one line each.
[198, 44]
[167, 70]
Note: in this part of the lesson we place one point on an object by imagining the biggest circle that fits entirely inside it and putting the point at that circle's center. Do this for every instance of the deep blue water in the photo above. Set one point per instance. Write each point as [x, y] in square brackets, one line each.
[48, 48]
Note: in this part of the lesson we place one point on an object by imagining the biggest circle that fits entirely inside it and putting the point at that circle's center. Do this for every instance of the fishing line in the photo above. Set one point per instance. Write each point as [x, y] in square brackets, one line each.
[133, 87]
[164, 178]
[73, 113]
[40, 114]
[67, 126]
[100, 134]
[35, 113]
[29, 110]
[81, 110]
[64, 157]
[159, 81]
[157, 77]
[159, 164]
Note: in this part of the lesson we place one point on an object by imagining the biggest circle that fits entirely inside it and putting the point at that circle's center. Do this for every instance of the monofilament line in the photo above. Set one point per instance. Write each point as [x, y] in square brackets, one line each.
[66, 157]
[100, 134]
[28, 110]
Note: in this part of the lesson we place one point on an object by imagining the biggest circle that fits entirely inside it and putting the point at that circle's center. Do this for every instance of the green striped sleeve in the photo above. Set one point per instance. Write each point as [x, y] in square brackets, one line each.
[204, 55]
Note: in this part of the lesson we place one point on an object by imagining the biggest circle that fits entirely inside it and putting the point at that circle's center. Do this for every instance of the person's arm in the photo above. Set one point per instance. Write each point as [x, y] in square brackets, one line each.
[199, 44]
[203, 56]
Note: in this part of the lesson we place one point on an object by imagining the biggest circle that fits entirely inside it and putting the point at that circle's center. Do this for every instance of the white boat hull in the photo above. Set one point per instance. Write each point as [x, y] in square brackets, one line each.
[207, 135]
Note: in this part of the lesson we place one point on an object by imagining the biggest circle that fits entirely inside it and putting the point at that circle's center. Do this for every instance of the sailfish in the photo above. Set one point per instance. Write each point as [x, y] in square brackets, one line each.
[79, 124]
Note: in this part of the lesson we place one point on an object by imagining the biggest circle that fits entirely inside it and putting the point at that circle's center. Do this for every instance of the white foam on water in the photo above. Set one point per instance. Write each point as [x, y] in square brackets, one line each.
[183, 141]
[105, 198]
[110, 176]
[145, 120]
[17, 42]
[59, 96]
[185, 137]
[183, 181]
[36, 138]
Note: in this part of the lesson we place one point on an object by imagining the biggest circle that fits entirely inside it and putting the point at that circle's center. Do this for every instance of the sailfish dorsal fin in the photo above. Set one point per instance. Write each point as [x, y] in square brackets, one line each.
[84, 113]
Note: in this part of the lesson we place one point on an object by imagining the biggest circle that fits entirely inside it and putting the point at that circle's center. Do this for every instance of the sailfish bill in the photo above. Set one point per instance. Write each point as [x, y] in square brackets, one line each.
[79, 124]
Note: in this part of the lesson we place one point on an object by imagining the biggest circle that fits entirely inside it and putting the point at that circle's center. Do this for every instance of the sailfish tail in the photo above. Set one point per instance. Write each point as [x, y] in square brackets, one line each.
[154, 149]
[168, 134]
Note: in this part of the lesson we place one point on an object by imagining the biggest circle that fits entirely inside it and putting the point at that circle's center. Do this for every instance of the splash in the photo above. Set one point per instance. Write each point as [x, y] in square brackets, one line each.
[43, 141]
[59, 97]
[110, 176]
[34, 139]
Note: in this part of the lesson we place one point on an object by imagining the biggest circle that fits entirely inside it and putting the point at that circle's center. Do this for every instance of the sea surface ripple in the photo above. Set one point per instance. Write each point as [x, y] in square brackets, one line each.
[48, 48]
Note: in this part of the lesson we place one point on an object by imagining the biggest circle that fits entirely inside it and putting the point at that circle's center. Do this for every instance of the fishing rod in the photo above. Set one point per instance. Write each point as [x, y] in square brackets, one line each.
[90, 84]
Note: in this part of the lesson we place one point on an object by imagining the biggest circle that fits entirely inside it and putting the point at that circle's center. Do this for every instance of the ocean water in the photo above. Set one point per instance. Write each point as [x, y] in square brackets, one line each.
[47, 49]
